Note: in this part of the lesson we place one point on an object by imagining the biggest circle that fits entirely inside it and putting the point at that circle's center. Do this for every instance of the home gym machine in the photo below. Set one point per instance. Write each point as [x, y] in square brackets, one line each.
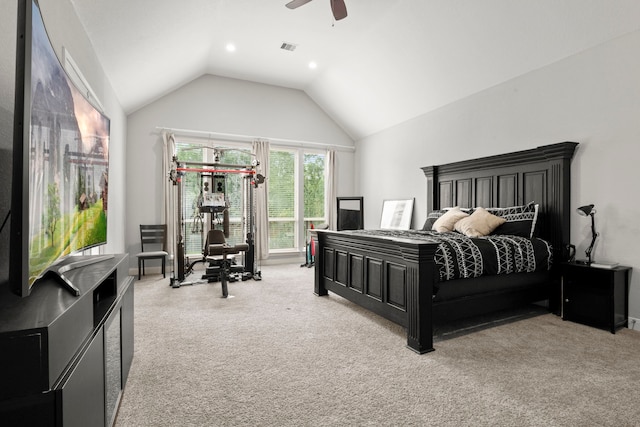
[213, 202]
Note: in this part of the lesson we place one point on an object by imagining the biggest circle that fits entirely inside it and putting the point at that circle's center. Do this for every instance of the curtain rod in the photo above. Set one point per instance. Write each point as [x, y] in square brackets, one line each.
[248, 138]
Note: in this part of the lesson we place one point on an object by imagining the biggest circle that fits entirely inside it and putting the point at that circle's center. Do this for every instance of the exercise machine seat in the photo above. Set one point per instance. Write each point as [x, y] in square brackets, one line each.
[216, 246]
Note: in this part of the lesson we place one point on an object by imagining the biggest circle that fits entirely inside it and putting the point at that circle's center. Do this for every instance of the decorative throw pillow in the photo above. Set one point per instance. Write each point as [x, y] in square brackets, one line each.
[479, 223]
[448, 220]
[520, 220]
[433, 216]
[431, 219]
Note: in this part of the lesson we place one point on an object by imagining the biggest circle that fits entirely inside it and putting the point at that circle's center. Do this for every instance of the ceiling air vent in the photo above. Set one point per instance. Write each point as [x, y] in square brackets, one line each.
[288, 46]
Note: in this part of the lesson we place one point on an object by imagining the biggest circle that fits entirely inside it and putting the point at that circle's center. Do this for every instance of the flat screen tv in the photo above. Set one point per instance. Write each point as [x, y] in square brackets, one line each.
[60, 161]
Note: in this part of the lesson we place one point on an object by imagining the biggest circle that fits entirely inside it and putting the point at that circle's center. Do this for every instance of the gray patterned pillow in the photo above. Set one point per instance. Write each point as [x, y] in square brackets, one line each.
[521, 220]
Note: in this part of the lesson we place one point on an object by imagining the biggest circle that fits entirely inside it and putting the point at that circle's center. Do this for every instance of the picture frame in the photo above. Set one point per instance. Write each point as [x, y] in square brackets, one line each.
[396, 214]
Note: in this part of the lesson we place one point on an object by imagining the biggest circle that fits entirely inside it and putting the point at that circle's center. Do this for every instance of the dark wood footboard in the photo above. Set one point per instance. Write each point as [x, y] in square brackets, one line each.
[393, 278]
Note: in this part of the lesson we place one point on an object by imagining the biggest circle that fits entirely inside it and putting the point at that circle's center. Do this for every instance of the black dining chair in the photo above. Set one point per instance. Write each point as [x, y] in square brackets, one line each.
[153, 242]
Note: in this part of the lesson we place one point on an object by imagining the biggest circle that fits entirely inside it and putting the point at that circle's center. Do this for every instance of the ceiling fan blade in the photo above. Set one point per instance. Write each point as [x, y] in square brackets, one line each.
[339, 9]
[296, 3]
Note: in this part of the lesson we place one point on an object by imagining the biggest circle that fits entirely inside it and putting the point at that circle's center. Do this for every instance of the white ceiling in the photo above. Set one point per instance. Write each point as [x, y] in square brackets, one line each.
[387, 62]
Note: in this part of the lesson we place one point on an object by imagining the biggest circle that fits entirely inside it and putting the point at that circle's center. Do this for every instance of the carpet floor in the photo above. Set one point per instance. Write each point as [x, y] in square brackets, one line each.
[277, 355]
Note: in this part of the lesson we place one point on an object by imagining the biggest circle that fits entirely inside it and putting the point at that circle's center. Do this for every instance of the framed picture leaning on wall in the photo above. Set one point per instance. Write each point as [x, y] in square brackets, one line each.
[396, 214]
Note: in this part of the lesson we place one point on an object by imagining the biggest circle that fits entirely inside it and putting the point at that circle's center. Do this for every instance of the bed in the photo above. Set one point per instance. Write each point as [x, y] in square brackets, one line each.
[398, 275]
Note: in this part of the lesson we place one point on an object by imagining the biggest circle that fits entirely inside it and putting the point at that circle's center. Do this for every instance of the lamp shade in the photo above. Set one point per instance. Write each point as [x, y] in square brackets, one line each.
[586, 210]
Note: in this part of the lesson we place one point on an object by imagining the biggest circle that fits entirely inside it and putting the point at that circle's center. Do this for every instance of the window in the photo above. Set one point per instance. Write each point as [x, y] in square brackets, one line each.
[314, 189]
[296, 196]
[282, 199]
[295, 183]
[195, 223]
[193, 220]
[235, 187]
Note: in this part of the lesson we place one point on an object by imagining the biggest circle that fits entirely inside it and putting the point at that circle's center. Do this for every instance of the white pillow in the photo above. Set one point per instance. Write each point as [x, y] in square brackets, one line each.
[448, 220]
[479, 223]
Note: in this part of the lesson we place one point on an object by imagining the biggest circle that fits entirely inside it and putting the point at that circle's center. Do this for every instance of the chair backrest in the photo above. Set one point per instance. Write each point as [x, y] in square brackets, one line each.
[215, 237]
[153, 237]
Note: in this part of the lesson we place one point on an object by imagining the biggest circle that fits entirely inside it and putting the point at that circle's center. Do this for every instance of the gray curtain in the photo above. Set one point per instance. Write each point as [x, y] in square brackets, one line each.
[261, 150]
[169, 213]
[330, 188]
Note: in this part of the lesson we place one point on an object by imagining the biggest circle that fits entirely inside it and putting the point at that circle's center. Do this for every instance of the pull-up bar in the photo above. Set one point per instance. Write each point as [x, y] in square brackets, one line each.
[245, 171]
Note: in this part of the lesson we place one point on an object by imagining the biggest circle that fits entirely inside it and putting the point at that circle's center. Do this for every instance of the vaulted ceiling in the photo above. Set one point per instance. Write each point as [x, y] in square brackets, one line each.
[386, 62]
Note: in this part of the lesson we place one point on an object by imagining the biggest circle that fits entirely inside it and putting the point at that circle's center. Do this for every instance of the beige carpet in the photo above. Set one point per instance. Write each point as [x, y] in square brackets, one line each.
[277, 355]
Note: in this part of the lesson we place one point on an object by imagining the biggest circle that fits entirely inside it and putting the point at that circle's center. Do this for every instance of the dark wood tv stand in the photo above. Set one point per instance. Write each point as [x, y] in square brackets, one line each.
[64, 359]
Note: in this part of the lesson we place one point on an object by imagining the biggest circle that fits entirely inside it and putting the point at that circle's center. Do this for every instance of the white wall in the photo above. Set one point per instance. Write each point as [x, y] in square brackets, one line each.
[64, 29]
[219, 105]
[592, 98]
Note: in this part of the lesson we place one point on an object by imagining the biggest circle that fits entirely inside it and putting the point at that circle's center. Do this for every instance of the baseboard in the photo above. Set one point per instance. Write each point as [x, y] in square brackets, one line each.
[634, 323]
[152, 270]
[277, 259]
[283, 258]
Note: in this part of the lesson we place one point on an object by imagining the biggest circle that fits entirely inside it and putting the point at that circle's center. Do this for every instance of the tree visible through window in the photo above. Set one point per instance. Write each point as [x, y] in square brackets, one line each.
[314, 203]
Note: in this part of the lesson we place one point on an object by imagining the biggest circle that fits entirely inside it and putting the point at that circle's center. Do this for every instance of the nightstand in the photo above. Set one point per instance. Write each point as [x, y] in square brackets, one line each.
[596, 296]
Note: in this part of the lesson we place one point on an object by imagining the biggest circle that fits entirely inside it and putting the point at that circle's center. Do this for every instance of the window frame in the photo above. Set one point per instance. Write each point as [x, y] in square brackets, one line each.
[300, 228]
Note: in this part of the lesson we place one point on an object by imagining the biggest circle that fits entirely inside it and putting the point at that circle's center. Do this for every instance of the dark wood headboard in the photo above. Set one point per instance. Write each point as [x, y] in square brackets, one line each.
[541, 174]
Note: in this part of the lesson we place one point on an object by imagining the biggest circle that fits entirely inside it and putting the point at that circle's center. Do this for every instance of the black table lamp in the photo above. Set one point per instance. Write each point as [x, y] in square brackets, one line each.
[589, 210]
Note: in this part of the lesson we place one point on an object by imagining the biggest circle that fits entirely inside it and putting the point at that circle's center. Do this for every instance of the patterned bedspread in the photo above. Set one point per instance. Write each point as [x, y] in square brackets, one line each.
[461, 257]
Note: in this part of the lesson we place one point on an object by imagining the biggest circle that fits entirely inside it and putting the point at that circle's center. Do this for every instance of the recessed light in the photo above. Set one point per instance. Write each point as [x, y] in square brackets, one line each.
[313, 65]
[231, 47]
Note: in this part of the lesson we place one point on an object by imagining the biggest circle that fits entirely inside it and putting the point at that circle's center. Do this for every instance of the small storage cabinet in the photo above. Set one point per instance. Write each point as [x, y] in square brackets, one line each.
[595, 296]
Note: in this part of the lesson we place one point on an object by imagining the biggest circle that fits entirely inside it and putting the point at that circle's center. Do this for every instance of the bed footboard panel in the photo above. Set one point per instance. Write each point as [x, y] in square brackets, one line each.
[393, 279]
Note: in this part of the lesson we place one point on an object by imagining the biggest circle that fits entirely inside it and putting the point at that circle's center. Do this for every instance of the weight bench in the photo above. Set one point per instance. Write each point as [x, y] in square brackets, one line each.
[217, 246]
